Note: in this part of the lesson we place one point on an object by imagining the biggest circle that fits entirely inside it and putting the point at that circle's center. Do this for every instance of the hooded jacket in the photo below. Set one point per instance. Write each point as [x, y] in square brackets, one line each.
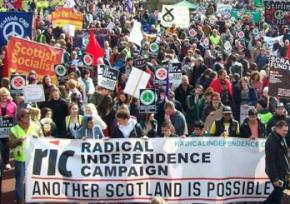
[94, 133]
[133, 129]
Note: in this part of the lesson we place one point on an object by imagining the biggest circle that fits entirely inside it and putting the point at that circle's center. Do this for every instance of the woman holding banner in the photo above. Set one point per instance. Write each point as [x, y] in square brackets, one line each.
[8, 110]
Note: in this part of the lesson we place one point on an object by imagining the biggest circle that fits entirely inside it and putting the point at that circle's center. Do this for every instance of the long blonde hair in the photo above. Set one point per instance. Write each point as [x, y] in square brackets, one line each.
[97, 119]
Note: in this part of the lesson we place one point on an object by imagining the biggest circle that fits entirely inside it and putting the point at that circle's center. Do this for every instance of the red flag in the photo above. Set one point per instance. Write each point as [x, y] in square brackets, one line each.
[288, 53]
[16, 4]
[94, 48]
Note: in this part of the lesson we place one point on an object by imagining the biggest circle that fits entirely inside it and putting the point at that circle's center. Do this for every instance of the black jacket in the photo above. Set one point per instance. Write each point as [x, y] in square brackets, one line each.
[137, 132]
[181, 95]
[272, 122]
[59, 112]
[245, 131]
[276, 149]
[220, 128]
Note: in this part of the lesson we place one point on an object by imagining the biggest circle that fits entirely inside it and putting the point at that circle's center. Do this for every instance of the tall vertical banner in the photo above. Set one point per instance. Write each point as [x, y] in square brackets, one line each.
[174, 73]
[279, 77]
[14, 24]
[277, 12]
[67, 16]
[172, 14]
[24, 56]
[181, 170]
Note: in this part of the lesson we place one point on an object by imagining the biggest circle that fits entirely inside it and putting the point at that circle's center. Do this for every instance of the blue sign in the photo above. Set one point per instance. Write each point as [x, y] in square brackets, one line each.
[14, 24]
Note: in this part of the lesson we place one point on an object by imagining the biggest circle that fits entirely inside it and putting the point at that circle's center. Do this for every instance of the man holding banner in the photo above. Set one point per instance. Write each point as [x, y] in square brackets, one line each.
[277, 166]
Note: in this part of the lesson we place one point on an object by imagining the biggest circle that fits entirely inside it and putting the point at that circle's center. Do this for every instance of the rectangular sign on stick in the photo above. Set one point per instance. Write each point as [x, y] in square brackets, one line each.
[147, 101]
[33, 93]
[109, 78]
[137, 80]
[279, 85]
[5, 125]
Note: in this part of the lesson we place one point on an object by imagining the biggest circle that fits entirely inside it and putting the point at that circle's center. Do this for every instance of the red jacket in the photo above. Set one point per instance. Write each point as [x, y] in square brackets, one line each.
[216, 86]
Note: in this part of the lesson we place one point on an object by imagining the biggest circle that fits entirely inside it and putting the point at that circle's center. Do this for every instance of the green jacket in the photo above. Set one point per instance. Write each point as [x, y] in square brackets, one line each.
[264, 117]
[194, 110]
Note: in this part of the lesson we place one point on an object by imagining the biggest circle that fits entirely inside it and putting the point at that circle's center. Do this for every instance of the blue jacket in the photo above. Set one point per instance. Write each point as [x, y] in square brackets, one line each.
[94, 133]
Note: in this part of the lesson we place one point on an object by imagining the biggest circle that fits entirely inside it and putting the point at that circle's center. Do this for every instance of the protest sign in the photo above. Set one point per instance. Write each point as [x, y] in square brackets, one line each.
[136, 35]
[140, 63]
[69, 29]
[270, 41]
[279, 85]
[5, 125]
[171, 14]
[223, 9]
[69, 4]
[137, 80]
[147, 101]
[61, 72]
[160, 78]
[109, 78]
[14, 24]
[174, 73]
[277, 12]
[100, 72]
[82, 37]
[33, 93]
[63, 16]
[254, 16]
[24, 56]
[17, 83]
[180, 170]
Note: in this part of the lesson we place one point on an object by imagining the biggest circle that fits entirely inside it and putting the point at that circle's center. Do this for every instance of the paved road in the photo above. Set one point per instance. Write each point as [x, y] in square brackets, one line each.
[8, 187]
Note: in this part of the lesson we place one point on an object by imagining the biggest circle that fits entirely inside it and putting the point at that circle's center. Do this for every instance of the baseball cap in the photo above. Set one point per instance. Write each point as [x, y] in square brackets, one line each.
[227, 109]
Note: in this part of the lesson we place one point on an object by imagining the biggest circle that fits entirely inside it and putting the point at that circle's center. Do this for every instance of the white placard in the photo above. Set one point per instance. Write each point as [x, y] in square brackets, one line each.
[175, 14]
[33, 93]
[137, 80]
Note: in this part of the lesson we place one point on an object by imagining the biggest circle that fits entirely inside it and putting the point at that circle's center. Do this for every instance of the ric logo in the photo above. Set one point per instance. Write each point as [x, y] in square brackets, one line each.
[54, 161]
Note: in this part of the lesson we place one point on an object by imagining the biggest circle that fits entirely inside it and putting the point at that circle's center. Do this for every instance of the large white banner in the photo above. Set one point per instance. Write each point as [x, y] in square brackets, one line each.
[270, 41]
[189, 170]
[175, 14]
